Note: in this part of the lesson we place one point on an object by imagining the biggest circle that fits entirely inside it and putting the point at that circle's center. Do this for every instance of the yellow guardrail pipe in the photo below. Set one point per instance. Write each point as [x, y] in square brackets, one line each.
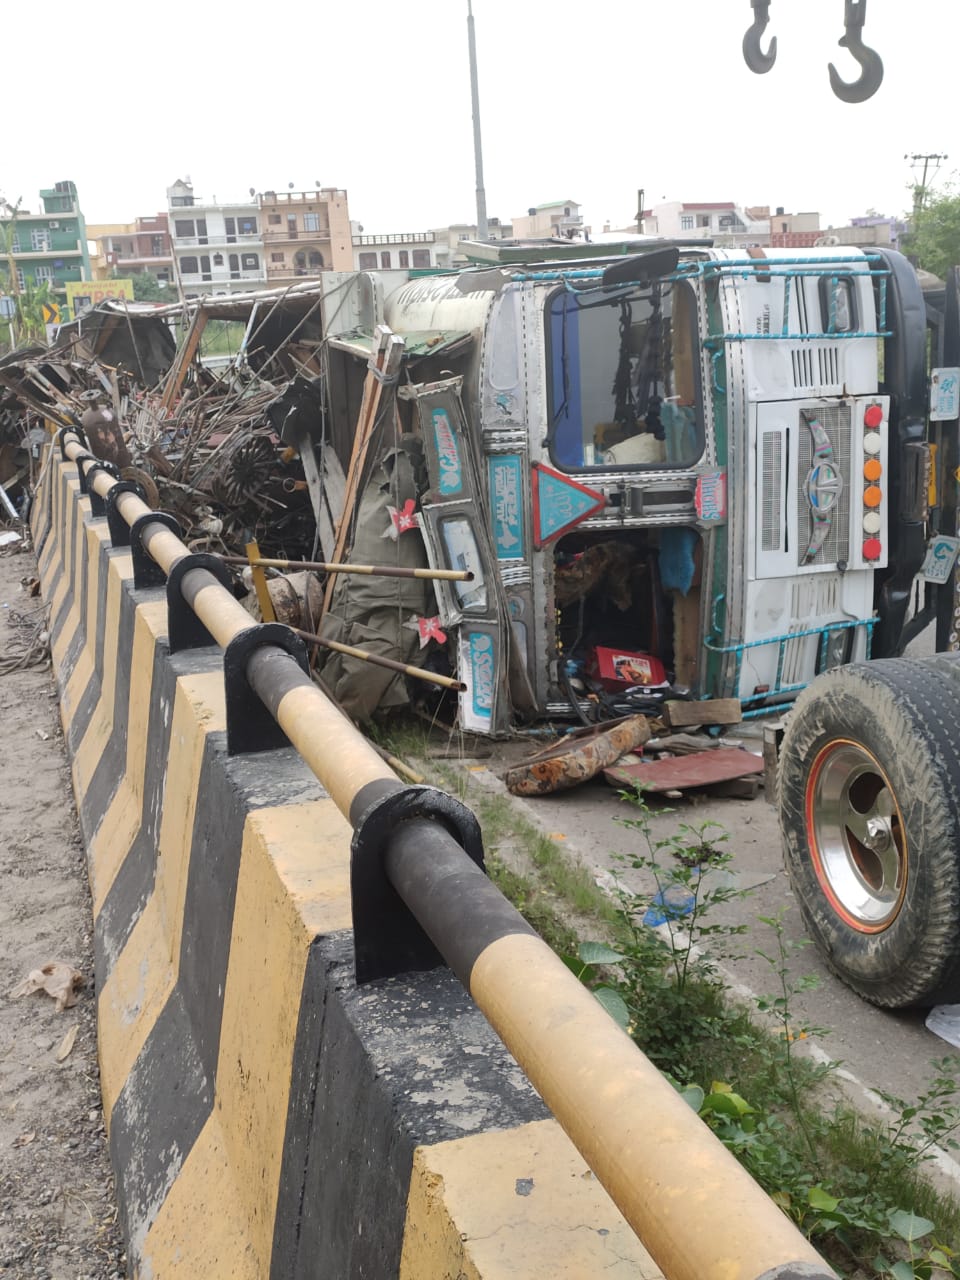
[695, 1209]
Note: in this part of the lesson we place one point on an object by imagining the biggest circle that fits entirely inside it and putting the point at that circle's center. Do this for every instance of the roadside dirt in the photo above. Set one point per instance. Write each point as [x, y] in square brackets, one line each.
[57, 1207]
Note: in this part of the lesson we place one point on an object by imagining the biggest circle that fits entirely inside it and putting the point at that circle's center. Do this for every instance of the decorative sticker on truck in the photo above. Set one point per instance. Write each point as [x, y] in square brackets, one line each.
[710, 498]
[482, 667]
[506, 500]
[559, 503]
[944, 394]
[448, 454]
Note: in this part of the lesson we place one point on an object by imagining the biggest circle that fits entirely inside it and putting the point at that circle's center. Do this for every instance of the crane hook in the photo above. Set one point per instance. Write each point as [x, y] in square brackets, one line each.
[758, 61]
[871, 66]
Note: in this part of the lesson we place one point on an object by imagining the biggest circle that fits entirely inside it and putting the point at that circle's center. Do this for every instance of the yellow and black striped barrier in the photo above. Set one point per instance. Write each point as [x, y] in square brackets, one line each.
[268, 1116]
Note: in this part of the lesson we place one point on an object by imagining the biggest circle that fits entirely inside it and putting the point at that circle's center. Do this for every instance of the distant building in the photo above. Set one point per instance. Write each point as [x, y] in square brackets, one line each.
[436, 250]
[132, 248]
[871, 229]
[49, 247]
[555, 220]
[794, 230]
[411, 250]
[305, 232]
[723, 222]
[217, 248]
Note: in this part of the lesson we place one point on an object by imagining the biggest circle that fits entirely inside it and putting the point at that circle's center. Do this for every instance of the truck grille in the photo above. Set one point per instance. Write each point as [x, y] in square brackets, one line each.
[835, 420]
[772, 516]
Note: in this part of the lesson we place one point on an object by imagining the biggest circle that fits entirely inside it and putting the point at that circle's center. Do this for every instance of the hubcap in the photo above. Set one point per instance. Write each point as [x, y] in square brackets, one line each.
[857, 839]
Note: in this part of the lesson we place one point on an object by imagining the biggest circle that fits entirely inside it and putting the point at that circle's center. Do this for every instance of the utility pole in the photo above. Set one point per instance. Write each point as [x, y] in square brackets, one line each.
[477, 149]
[920, 188]
[11, 231]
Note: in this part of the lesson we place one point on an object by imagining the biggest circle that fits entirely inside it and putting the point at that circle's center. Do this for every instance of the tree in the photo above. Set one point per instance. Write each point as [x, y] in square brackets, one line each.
[30, 302]
[147, 288]
[9, 282]
[934, 239]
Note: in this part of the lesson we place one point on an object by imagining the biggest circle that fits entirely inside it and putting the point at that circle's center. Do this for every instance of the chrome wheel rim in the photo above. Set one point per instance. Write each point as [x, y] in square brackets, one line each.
[857, 838]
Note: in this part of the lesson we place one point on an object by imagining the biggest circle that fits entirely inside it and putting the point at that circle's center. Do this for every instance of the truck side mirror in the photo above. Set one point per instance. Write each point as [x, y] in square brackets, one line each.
[642, 267]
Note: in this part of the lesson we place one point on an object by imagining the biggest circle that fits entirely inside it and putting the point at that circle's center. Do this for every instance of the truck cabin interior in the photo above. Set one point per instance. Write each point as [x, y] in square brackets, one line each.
[626, 398]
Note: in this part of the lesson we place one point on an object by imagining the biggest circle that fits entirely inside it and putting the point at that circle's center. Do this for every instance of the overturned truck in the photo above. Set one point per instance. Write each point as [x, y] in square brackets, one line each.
[684, 471]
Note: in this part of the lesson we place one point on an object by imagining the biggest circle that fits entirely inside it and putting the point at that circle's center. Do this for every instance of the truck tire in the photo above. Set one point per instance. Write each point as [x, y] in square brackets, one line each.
[869, 803]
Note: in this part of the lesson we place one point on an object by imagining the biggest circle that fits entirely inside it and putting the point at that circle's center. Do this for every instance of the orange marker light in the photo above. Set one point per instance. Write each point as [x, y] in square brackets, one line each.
[872, 496]
[872, 469]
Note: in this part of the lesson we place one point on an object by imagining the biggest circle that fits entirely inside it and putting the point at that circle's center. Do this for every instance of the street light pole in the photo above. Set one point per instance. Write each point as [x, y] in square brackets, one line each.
[477, 150]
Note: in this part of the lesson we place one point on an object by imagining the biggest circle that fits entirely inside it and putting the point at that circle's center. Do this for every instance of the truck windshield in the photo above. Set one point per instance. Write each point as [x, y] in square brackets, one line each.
[624, 378]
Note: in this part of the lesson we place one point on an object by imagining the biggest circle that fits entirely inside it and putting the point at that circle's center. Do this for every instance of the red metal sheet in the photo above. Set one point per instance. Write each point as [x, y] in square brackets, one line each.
[698, 769]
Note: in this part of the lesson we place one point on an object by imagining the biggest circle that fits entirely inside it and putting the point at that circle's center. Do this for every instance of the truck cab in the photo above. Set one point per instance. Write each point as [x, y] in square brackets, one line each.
[681, 470]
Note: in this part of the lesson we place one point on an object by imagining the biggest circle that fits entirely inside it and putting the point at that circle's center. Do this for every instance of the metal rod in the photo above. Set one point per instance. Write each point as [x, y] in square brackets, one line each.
[377, 660]
[5, 499]
[375, 570]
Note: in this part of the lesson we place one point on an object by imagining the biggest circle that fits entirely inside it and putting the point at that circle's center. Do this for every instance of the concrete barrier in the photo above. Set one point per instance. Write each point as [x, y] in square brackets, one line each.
[266, 1116]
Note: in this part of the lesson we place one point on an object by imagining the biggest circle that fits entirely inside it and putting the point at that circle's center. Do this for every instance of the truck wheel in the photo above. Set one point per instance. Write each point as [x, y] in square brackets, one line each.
[869, 800]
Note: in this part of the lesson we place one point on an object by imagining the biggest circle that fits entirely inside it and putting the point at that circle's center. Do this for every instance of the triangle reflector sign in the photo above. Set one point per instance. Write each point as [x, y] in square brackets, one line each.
[559, 503]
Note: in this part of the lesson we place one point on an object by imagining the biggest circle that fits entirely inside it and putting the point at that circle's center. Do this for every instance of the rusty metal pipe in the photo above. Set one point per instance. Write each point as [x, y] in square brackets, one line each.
[374, 570]
[377, 660]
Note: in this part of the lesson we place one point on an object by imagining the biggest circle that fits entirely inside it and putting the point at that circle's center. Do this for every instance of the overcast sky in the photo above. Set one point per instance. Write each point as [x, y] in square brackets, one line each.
[582, 101]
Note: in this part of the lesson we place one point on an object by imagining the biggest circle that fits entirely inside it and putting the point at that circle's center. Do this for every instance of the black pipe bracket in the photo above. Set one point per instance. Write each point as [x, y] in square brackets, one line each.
[79, 460]
[146, 571]
[387, 939]
[98, 505]
[250, 725]
[119, 529]
[78, 432]
[184, 628]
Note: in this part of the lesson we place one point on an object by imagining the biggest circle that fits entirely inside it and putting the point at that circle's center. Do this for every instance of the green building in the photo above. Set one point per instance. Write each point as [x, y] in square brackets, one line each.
[49, 246]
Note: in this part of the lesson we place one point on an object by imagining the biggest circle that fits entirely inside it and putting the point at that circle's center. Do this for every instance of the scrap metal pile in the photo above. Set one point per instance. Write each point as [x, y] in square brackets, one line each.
[233, 447]
[203, 441]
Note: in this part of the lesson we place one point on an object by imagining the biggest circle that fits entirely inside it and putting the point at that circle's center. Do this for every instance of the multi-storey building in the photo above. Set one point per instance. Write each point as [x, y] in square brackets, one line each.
[305, 232]
[49, 247]
[555, 220]
[794, 230]
[217, 248]
[405, 249]
[132, 248]
[723, 222]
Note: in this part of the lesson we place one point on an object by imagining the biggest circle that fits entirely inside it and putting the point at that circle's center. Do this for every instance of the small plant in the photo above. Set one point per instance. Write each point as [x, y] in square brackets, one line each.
[692, 872]
[585, 966]
[931, 1259]
[936, 1114]
[781, 1007]
[670, 983]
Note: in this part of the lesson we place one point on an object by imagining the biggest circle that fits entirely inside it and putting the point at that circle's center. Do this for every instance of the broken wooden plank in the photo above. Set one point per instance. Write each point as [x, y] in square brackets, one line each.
[334, 496]
[677, 773]
[382, 369]
[188, 349]
[680, 715]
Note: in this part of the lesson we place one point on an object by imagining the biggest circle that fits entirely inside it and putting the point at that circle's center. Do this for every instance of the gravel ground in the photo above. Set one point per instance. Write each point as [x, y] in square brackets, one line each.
[58, 1218]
